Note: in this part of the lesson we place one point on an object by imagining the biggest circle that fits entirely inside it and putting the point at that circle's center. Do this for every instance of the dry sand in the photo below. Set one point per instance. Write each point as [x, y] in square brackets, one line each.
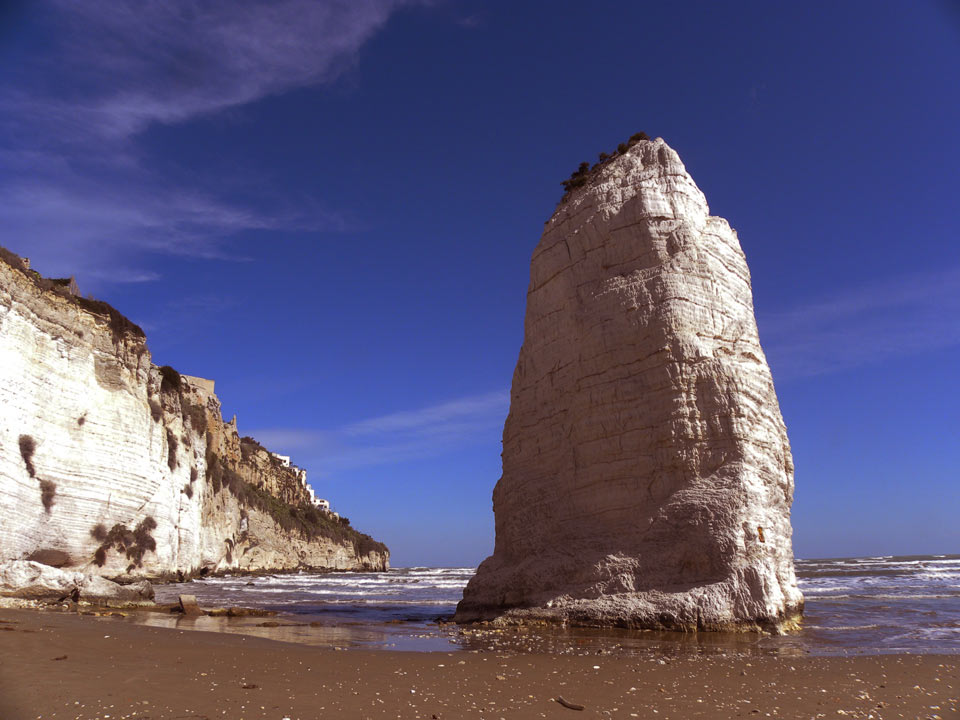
[55, 665]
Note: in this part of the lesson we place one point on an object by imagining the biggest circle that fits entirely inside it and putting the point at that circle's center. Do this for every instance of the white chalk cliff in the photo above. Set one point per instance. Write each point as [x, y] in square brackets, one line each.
[647, 475]
[110, 467]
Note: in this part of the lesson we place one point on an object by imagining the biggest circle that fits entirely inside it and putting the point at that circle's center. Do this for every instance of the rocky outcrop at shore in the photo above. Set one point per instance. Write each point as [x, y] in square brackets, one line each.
[647, 476]
[35, 581]
[112, 466]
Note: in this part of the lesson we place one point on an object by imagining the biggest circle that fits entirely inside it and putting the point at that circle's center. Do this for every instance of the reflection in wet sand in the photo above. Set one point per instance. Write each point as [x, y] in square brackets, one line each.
[445, 637]
[290, 630]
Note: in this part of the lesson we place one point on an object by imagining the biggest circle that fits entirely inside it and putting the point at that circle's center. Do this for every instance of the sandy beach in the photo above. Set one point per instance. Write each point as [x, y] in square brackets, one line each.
[61, 665]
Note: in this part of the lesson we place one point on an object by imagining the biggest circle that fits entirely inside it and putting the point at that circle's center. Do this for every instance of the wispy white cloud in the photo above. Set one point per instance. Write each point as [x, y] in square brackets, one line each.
[70, 222]
[471, 21]
[118, 66]
[394, 438]
[171, 60]
[430, 419]
[77, 187]
[895, 317]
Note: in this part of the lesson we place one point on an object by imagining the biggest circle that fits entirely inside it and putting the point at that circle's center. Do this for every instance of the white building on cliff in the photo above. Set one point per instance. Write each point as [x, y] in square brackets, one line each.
[320, 503]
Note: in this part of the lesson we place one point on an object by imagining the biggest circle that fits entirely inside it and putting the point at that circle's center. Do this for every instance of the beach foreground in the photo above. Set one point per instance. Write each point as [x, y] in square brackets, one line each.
[55, 665]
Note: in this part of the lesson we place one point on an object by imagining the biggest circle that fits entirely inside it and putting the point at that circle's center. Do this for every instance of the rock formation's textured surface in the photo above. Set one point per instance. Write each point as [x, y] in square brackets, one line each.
[36, 581]
[647, 476]
[110, 466]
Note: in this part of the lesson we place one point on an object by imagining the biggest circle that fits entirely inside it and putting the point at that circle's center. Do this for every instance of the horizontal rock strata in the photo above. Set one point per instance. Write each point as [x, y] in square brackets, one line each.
[647, 476]
[112, 466]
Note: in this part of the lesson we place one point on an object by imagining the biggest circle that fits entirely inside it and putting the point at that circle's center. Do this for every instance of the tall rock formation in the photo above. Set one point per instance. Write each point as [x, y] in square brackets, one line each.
[647, 476]
[112, 466]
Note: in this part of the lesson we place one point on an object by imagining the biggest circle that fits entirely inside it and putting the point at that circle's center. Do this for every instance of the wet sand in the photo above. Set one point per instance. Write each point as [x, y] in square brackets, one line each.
[60, 665]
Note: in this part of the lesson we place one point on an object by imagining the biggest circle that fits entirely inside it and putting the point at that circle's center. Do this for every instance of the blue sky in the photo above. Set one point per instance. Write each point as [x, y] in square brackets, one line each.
[330, 207]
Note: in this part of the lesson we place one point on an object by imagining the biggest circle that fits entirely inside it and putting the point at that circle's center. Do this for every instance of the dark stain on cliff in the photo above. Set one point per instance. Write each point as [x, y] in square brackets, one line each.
[27, 447]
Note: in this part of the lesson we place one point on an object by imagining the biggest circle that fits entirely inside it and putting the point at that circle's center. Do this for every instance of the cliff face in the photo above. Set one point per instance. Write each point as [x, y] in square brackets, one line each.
[647, 476]
[112, 466]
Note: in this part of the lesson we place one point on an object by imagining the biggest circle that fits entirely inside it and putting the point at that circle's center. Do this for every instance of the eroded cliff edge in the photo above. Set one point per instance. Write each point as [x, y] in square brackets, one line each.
[113, 466]
[647, 475]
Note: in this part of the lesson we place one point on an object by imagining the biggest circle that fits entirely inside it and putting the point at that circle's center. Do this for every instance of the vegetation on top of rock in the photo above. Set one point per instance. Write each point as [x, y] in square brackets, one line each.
[305, 519]
[249, 447]
[13, 260]
[170, 380]
[578, 178]
[120, 325]
[172, 383]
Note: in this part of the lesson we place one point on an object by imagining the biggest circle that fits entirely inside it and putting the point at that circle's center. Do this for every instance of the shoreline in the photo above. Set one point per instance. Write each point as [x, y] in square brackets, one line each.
[882, 606]
[341, 632]
[90, 667]
[177, 577]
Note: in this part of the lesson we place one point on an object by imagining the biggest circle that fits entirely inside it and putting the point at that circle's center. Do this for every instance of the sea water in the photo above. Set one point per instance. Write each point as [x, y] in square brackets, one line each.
[853, 605]
[890, 603]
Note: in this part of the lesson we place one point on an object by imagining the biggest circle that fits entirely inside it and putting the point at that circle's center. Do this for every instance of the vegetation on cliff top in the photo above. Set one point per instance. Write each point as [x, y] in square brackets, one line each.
[172, 385]
[249, 448]
[580, 176]
[120, 325]
[305, 519]
[170, 380]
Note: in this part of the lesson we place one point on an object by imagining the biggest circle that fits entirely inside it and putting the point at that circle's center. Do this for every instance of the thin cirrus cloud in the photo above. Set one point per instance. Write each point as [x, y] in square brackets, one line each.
[170, 60]
[897, 317]
[74, 223]
[397, 437]
[77, 186]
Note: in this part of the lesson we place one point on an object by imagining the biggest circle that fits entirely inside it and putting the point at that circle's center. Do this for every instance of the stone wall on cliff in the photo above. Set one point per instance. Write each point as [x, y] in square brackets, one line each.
[647, 475]
[111, 465]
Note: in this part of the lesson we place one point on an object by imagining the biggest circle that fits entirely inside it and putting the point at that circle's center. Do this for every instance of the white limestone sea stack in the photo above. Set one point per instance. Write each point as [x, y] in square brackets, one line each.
[647, 475]
[113, 467]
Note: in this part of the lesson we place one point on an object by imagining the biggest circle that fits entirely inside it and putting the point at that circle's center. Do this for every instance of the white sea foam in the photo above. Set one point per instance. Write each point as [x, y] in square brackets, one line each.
[881, 602]
[843, 627]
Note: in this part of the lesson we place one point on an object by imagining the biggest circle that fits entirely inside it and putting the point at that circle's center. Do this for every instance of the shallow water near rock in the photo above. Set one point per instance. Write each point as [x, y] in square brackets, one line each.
[854, 605]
